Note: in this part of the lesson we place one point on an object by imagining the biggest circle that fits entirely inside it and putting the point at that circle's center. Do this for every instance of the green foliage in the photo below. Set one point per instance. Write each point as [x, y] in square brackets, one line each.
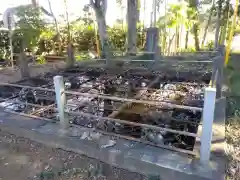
[176, 15]
[83, 37]
[210, 45]
[189, 49]
[4, 44]
[41, 59]
[82, 56]
[117, 38]
[29, 26]
[38, 37]
[87, 19]
[226, 9]
[47, 41]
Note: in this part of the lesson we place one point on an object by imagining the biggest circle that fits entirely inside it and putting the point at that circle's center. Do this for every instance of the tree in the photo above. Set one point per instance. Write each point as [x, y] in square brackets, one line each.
[222, 11]
[208, 23]
[132, 18]
[193, 15]
[70, 52]
[176, 16]
[218, 25]
[28, 29]
[87, 17]
[35, 3]
[58, 35]
[100, 8]
[226, 10]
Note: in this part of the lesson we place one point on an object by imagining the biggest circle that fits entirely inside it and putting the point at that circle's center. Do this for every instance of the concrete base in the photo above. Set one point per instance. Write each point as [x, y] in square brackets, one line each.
[129, 155]
[218, 138]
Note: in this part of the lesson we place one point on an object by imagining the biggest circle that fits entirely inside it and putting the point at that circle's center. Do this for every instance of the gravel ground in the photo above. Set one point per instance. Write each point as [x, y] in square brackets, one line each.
[22, 159]
[233, 148]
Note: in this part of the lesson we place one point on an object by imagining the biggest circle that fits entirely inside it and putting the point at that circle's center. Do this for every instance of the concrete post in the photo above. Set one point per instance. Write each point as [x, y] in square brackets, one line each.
[217, 72]
[208, 116]
[61, 101]
[151, 44]
[220, 77]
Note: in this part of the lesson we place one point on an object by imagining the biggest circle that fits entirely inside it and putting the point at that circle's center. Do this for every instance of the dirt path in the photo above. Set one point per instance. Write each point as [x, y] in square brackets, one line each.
[22, 159]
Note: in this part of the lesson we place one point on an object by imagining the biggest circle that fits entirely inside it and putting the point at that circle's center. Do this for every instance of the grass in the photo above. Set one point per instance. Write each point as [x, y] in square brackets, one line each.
[232, 74]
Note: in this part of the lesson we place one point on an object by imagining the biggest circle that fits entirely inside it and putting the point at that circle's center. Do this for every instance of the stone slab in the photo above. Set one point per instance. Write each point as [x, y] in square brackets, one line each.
[15, 120]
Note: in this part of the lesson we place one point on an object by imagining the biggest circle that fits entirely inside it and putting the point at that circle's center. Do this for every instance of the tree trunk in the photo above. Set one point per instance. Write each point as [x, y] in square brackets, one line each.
[196, 38]
[100, 8]
[70, 52]
[226, 22]
[223, 35]
[186, 39]
[194, 5]
[217, 33]
[177, 38]
[35, 3]
[154, 13]
[218, 24]
[102, 29]
[181, 35]
[56, 27]
[70, 56]
[23, 64]
[132, 13]
[170, 43]
[164, 42]
[207, 25]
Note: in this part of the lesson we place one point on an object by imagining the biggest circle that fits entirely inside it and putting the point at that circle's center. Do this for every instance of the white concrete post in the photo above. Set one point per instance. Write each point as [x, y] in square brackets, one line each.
[208, 116]
[61, 101]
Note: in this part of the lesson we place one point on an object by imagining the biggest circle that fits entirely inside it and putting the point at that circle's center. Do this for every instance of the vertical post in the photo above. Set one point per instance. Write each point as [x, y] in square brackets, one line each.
[217, 75]
[219, 80]
[208, 116]
[61, 101]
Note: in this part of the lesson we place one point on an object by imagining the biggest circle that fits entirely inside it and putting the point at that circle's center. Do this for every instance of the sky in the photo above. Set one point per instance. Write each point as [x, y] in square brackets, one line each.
[114, 12]
[75, 6]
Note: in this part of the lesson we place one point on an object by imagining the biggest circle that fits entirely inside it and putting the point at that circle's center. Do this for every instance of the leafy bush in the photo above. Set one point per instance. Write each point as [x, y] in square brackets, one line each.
[41, 59]
[209, 46]
[189, 49]
[83, 37]
[4, 44]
